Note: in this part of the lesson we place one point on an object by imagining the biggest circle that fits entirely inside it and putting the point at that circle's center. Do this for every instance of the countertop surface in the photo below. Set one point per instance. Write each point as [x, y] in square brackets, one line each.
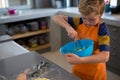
[46, 12]
[9, 48]
[12, 66]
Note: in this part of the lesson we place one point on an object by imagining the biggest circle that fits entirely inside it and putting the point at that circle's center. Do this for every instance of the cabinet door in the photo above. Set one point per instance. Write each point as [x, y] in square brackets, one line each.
[115, 40]
[113, 63]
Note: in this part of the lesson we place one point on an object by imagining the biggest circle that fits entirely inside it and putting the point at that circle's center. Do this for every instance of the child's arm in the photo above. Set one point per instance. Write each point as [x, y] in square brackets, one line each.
[103, 56]
[104, 48]
[97, 58]
[23, 76]
[63, 22]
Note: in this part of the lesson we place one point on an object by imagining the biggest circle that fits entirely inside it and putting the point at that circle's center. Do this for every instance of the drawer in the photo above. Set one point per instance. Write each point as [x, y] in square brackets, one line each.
[115, 50]
[114, 47]
[114, 30]
[112, 69]
[114, 62]
[115, 38]
[115, 53]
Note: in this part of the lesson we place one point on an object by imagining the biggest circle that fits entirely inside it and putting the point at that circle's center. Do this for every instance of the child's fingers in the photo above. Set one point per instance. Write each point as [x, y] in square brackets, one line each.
[75, 39]
[26, 71]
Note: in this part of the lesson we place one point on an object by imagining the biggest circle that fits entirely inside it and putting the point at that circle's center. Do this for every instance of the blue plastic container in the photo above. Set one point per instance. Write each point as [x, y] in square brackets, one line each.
[86, 47]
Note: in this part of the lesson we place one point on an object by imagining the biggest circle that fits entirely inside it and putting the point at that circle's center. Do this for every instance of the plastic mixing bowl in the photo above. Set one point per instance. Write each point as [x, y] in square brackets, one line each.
[83, 48]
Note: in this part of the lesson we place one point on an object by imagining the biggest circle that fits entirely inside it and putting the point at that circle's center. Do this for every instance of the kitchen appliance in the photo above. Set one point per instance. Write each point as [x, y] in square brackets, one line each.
[74, 3]
[61, 3]
[42, 4]
[115, 6]
[64, 3]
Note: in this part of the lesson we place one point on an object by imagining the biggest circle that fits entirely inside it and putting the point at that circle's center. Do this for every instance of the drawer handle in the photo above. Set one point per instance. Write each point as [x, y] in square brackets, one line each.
[113, 54]
[113, 47]
[115, 38]
[114, 29]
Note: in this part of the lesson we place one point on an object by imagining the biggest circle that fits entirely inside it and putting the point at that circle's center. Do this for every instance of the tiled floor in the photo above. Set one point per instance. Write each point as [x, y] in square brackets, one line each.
[57, 58]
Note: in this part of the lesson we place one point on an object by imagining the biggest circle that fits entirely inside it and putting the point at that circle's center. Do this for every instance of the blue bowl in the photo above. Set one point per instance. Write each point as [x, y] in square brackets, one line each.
[86, 47]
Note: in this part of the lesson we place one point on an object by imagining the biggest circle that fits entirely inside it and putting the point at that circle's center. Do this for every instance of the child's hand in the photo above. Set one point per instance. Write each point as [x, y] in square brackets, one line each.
[72, 59]
[23, 76]
[71, 33]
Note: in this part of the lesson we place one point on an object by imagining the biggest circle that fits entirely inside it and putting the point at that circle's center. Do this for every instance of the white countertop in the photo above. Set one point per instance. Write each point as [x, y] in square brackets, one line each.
[11, 48]
[46, 12]
[35, 13]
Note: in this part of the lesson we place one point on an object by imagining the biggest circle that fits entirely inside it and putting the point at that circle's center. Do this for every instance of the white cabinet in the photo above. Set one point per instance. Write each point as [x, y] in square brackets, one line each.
[31, 34]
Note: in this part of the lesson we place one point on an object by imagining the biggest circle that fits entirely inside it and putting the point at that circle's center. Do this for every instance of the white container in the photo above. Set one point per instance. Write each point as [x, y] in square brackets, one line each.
[68, 2]
[58, 4]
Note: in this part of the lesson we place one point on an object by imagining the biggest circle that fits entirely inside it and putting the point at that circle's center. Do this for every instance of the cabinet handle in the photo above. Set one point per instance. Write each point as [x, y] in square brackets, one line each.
[114, 29]
[113, 47]
[113, 54]
[115, 38]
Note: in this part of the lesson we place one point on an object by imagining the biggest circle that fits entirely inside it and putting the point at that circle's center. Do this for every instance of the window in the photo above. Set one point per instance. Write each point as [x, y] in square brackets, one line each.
[3, 3]
[16, 4]
[113, 2]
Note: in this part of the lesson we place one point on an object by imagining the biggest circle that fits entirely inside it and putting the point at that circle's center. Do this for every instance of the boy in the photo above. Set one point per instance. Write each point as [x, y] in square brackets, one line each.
[88, 26]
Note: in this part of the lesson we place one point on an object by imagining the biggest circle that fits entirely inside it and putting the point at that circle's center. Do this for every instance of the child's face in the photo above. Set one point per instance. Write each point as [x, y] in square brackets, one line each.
[90, 20]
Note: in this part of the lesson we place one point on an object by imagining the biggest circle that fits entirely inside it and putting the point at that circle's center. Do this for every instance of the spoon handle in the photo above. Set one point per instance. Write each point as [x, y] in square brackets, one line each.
[77, 43]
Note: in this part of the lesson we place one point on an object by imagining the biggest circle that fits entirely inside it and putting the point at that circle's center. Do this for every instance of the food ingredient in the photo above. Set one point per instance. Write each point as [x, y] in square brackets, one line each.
[41, 79]
[79, 49]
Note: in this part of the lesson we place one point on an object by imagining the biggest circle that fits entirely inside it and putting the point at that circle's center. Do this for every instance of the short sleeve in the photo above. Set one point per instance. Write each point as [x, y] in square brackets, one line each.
[104, 37]
[74, 21]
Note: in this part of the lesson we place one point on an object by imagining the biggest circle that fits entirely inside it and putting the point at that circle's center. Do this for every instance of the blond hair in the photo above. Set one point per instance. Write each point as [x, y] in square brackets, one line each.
[88, 6]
